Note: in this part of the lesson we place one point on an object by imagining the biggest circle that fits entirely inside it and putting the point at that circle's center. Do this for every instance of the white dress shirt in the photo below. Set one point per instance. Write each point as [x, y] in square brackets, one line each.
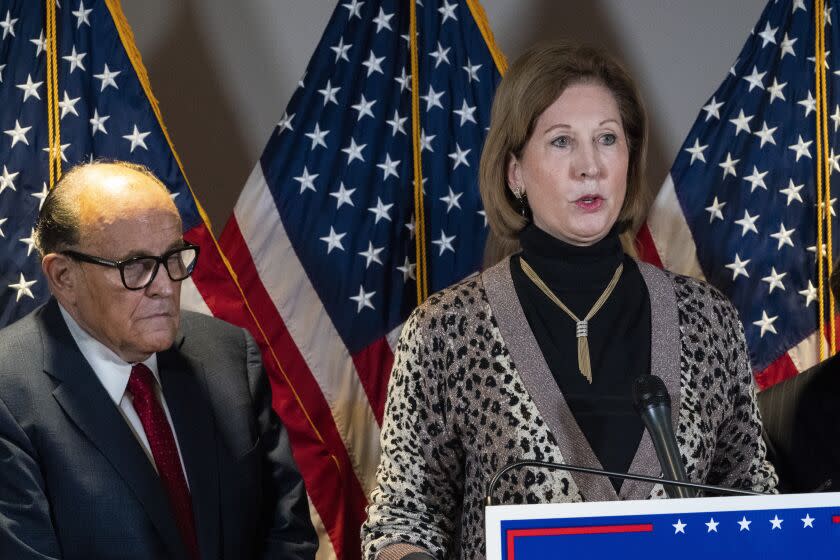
[113, 372]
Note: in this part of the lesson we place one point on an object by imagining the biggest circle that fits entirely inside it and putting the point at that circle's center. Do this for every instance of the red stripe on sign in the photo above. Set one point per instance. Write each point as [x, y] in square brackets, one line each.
[316, 444]
[374, 367]
[513, 534]
[835, 518]
[783, 368]
[647, 247]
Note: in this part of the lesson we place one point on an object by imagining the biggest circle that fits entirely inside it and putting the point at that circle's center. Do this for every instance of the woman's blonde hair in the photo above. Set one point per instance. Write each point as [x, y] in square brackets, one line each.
[532, 83]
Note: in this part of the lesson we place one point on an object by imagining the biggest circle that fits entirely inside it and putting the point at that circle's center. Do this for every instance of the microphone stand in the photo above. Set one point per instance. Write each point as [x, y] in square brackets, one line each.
[490, 501]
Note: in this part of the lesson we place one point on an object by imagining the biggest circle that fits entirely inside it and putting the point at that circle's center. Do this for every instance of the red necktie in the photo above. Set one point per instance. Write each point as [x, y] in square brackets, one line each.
[141, 386]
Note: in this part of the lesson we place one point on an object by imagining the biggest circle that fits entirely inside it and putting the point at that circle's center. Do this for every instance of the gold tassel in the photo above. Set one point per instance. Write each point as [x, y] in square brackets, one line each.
[584, 363]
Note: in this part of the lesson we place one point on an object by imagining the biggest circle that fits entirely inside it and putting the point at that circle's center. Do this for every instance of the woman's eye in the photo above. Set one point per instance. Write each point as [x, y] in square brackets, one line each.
[561, 141]
[608, 139]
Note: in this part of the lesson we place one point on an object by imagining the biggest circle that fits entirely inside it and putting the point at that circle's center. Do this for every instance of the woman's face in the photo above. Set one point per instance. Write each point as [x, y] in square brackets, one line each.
[574, 166]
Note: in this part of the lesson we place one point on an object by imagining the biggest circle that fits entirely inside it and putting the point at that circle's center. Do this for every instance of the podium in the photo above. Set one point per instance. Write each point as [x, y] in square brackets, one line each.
[797, 526]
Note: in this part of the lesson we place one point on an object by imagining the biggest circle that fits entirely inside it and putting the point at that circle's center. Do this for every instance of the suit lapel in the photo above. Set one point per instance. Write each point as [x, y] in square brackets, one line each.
[87, 404]
[185, 388]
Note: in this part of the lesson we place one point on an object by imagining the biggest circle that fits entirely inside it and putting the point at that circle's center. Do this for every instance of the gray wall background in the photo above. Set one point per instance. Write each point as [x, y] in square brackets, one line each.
[223, 70]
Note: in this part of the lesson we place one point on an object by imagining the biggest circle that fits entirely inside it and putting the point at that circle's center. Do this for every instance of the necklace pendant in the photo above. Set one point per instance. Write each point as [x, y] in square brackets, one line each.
[582, 329]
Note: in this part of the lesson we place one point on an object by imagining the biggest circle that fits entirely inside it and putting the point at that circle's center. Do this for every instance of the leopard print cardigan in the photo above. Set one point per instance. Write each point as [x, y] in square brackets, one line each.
[470, 392]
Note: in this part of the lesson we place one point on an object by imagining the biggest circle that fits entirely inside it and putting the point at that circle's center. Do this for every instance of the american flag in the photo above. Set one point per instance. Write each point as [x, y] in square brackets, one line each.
[324, 235]
[739, 207]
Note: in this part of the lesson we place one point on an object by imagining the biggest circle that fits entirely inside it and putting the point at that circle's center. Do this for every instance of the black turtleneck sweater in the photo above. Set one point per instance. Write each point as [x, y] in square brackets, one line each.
[619, 335]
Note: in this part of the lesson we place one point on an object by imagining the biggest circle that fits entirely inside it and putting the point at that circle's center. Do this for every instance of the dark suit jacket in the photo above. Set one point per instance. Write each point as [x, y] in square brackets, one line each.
[802, 428]
[76, 483]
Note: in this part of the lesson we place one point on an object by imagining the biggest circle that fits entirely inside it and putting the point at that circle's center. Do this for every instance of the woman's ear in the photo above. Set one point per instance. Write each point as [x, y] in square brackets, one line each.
[514, 176]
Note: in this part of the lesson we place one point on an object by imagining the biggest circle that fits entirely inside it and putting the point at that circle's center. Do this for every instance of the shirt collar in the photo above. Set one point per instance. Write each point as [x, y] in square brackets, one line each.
[111, 370]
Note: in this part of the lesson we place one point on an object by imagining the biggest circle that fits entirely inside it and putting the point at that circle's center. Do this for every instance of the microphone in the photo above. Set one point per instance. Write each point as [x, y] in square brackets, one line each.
[652, 402]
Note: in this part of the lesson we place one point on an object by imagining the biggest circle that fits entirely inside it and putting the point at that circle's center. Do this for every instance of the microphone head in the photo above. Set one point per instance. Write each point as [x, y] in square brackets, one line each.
[648, 391]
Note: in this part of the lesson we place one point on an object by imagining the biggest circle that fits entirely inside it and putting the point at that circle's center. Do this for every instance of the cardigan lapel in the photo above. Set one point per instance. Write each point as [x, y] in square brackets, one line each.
[87, 404]
[184, 385]
[532, 368]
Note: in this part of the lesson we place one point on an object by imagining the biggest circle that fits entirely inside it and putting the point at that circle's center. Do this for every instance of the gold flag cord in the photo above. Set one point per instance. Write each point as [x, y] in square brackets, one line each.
[53, 120]
[421, 270]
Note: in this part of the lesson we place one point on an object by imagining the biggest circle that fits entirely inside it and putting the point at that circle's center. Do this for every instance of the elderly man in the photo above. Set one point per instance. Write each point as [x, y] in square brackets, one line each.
[128, 428]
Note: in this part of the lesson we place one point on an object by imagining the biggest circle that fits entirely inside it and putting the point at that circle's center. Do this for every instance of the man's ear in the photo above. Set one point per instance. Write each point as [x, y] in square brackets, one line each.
[62, 277]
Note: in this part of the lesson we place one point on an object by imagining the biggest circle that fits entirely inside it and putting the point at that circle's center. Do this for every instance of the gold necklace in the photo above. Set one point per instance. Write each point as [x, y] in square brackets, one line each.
[581, 325]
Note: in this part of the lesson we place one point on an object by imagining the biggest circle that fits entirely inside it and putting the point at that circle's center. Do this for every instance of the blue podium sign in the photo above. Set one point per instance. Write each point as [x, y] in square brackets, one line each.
[768, 527]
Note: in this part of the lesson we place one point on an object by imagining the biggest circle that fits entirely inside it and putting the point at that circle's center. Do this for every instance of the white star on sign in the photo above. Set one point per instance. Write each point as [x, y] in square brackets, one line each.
[61, 149]
[807, 521]
[363, 107]
[285, 122]
[715, 210]
[306, 181]
[756, 179]
[333, 240]
[783, 235]
[712, 525]
[774, 280]
[776, 522]
[744, 524]
[810, 293]
[729, 165]
[341, 50]
[353, 7]
[407, 269]
[18, 133]
[448, 11]
[40, 43]
[97, 123]
[4, 220]
[1, 72]
[75, 60]
[137, 138]
[8, 25]
[776, 91]
[713, 109]
[82, 15]
[466, 113]
[799, 5]
[768, 35]
[835, 165]
[107, 78]
[679, 527]
[371, 255]
[830, 206]
[373, 64]
[354, 151]
[343, 195]
[801, 148]
[7, 180]
[404, 80]
[444, 243]
[741, 122]
[22, 287]
[766, 134]
[813, 249]
[317, 136]
[396, 123]
[809, 103]
[363, 299]
[440, 55]
[747, 223]
[451, 200]
[472, 71]
[787, 46]
[738, 267]
[755, 79]
[382, 20]
[792, 192]
[329, 93]
[381, 210]
[696, 152]
[432, 99]
[459, 156]
[389, 167]
[426, 141]
[30, 242]
[68, 105]
[30, 88]
[40, 195]
[766, 324]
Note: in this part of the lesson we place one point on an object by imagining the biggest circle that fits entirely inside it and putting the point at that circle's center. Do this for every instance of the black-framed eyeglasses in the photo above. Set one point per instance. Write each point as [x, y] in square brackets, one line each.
[139, 272]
